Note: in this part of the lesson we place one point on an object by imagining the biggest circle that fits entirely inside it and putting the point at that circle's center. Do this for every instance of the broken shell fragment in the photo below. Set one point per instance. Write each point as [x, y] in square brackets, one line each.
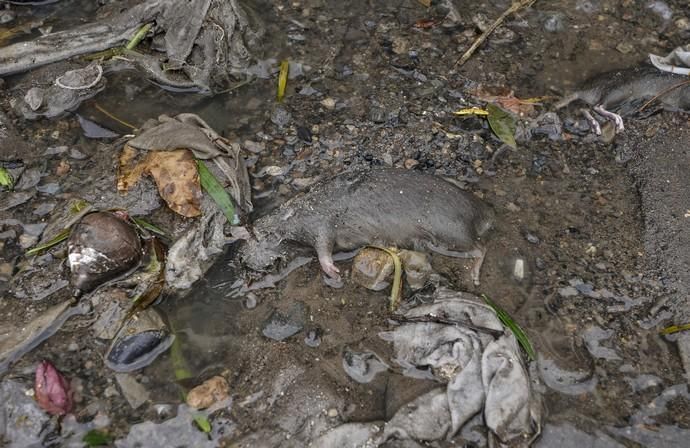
[139, 342]
[372, 268]
[101, 247]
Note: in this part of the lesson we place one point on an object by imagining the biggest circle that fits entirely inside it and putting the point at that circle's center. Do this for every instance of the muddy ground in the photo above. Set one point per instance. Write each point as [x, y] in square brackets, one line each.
[600, 226]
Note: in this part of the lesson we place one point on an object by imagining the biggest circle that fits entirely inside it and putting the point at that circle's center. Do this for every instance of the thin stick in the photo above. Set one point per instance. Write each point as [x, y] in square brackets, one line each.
[441, 320]
[662, 93]
[480, 40]
[109, 115]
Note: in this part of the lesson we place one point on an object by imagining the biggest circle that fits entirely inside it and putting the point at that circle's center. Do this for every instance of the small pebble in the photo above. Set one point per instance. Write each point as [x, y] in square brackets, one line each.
[76, 154]
[531, 238]
[328, 103]
[111, 391]
[49, 188]
[332, 412]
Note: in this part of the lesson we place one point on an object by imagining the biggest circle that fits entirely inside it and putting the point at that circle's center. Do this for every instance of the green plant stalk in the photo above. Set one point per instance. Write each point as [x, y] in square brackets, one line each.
[675, 328]
[396, 289]
[62, 236]
[138, 37]
[148, 226]
[508, 321]
[215, 189]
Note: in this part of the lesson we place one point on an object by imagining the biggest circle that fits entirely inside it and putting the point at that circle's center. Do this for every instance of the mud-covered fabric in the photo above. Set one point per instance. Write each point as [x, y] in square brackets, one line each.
[191, 132]
[480, 365]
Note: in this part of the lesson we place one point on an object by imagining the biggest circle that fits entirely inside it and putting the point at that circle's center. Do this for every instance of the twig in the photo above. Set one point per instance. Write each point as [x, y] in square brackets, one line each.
[109, 115]
[662, 93]
[441, 320]
[516, 6]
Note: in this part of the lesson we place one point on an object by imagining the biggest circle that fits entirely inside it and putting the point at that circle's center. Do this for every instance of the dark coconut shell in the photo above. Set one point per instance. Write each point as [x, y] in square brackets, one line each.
[101, 247]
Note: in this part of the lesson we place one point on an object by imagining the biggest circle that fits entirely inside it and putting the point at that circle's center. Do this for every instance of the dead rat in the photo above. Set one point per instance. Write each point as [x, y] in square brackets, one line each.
[386, 207]
[626, 91]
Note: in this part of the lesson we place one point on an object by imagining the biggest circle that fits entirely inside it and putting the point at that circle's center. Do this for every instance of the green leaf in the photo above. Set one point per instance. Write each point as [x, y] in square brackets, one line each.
[97, 438]
[62, 236]
[6, 179]
[503, 124]
[202, 422]
[508, 321]
[675, 329]
[217, 192]
[148, 226]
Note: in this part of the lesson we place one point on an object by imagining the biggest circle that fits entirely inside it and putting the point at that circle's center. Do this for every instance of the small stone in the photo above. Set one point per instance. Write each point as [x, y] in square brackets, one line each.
[8, 235]
[55, 150]
[111, 391]
[30, 178]
[568, 291]
[34, 98]
[554, 22]
[328, 103]
[683, 24]
[280, 117]
[313, 338]
[27, 241]
[6, 270]
[512, 207]
[34, 229]
[44, 208]
[377, 114]
[332, 412]
[531, 238]
[625, 47]
[62, 168]
[73, 347]
[280, 326]
[519, 269]
[410, 163]
[49, 188]
[399, 45]
[209, 392]
[255, 147]
[76, 154]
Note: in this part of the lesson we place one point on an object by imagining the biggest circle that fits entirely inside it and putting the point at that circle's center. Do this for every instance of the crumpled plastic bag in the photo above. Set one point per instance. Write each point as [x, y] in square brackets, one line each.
[479, 361]
[677, 61]
[191, 132]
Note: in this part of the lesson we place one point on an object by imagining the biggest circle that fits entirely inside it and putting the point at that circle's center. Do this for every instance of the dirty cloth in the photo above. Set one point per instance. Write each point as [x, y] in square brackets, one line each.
[204, 42]
[481, 367]
[677, 61]
[64, 94]
[190, 131]
[195, 251]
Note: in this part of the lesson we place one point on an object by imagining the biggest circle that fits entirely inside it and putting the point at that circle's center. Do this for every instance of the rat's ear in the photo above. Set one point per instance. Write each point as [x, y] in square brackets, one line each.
[239, 233]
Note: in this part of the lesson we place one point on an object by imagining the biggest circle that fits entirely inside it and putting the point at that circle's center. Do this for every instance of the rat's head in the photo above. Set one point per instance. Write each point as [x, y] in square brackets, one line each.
[261, 253]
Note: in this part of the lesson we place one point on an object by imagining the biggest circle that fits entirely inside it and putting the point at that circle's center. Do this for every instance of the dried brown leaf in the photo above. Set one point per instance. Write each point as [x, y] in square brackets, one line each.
[174, 172]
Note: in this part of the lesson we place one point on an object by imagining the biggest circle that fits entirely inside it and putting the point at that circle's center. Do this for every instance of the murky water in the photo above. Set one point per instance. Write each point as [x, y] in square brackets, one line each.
[568, 214]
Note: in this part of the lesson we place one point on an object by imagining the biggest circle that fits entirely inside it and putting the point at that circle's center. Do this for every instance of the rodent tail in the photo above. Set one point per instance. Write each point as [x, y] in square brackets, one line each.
[566, 100]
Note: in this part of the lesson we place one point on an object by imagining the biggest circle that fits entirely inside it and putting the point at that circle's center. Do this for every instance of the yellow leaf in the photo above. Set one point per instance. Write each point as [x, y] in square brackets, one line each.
[426, 3]
[282, 79]
[472, 111]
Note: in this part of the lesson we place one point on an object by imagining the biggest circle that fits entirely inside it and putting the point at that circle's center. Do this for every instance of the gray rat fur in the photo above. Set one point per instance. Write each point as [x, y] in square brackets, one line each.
[386, 207]
[616, 89]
